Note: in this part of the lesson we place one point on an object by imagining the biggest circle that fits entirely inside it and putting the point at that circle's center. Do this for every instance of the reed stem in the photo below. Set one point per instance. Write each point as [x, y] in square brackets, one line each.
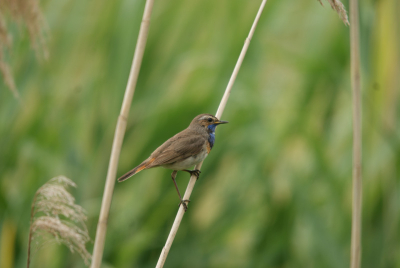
[28, 263]
[193, 179]
[119, 136]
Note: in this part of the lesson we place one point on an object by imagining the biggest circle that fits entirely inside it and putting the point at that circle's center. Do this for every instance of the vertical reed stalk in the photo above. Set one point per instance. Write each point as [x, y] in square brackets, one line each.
[119, 135]
[193, 179]
[30, 230]
[357, 146]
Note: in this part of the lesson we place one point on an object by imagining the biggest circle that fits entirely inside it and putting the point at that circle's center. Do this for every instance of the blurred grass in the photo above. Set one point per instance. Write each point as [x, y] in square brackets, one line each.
[275, 191]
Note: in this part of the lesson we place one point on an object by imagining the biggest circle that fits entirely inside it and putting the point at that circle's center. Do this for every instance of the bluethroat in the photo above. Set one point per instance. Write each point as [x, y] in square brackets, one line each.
[184, 150]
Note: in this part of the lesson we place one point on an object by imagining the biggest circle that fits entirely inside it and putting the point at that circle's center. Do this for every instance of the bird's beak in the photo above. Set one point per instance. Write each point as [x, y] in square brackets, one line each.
[221, 122]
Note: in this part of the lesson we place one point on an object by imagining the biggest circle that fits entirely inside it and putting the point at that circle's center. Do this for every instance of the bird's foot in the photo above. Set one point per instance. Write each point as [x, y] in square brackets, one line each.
[195, 172]
[184, 205]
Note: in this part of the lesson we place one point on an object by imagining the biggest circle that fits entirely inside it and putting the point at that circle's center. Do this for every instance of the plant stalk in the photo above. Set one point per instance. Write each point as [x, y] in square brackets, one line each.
[119, 136]
[357, 135]
[193, 179]
[28, 263]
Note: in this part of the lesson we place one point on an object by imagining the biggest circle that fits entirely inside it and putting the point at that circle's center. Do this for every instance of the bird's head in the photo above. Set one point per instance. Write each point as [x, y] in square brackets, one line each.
[207, 122]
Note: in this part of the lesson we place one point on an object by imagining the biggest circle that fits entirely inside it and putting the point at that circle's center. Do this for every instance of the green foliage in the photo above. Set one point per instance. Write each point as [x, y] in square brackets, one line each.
[276, 189]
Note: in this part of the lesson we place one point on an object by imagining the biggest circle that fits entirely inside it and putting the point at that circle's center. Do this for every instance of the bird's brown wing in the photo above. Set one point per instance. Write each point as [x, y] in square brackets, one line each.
[181, 146]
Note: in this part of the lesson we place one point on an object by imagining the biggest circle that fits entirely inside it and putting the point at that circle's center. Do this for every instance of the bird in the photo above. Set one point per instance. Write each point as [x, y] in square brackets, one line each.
[183, 151]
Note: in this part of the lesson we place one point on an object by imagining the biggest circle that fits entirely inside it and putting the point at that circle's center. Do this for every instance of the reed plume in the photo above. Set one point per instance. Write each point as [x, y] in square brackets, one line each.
[5, 43]
[29, 15]
[54, 212]
[339, 8]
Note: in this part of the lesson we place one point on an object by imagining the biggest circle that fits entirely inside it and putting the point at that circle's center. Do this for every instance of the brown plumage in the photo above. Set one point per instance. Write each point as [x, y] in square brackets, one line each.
[184, 150]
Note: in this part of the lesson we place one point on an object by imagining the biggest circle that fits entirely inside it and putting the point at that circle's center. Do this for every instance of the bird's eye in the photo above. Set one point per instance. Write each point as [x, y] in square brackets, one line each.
[209, 120]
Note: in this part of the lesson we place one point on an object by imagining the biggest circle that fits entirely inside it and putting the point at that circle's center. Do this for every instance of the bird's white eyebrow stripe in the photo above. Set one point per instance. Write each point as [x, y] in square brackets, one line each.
[204, 117]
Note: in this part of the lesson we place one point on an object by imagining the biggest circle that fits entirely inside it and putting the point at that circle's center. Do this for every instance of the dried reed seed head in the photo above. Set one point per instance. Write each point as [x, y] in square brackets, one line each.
[62, 228]
[53, 199]
[64, 233]
[339, 8]
[56, 193]
[62, 180]
[75, 213]
[63, 219]
[29, 14]
[5, 42]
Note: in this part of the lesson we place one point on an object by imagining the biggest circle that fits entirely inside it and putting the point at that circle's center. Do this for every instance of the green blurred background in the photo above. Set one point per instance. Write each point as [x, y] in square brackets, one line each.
[276, 189]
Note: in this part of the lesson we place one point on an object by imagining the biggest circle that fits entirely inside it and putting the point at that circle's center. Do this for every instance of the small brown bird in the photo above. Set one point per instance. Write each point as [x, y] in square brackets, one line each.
[184, 150]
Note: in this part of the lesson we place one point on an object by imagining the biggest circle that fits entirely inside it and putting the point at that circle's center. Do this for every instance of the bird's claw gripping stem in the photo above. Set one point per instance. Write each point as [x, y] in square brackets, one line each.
[195, 172]
[184, 205]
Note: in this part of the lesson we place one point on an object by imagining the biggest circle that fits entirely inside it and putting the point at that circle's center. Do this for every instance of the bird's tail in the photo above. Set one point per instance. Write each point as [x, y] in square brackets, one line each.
[132, 172]
[144, 165]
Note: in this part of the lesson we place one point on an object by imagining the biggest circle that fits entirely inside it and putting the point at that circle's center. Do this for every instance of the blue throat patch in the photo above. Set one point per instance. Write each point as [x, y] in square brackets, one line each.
[211, 137]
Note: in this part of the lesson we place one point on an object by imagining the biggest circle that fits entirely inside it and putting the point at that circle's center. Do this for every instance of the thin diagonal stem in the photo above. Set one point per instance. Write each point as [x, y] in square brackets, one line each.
[119, 136]
[193, 178]
[357, 135]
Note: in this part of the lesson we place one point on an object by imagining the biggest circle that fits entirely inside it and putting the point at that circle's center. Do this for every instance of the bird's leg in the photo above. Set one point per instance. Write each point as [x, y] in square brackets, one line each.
[195, 172]
[183, 202]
